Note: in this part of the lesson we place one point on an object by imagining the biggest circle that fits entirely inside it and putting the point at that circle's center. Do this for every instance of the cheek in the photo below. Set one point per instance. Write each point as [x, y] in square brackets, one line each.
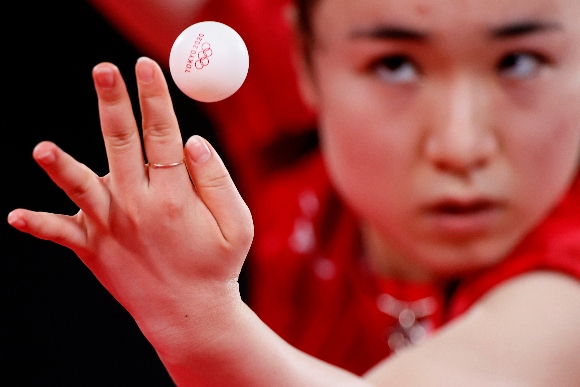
[544, 151]
[354, 157]
[557, 148]
[367, 144]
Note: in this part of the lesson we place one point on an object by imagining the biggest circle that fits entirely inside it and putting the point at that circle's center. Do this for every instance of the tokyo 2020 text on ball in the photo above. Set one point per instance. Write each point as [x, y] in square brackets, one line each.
[209, 61]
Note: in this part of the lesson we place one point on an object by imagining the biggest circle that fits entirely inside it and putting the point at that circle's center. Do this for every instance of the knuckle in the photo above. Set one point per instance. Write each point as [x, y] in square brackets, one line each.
[113, 98]
[160, 132]
[172, 208]
[58, 239]
[81, 188]
[121, 139]
[220, 180]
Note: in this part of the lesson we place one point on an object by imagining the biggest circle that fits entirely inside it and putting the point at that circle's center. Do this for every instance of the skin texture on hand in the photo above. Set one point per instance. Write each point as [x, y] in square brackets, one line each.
[133, 222]
[169, 243]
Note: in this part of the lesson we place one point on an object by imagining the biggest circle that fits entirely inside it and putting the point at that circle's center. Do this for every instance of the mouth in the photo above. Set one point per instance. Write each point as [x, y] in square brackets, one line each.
[463, 217]
[457, 207]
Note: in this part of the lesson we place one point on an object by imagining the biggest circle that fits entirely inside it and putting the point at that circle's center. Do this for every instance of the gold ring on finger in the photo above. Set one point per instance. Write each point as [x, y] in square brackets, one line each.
[160, 166]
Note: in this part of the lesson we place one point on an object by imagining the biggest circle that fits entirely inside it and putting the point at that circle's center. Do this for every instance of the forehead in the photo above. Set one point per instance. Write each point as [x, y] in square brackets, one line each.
[455, 16]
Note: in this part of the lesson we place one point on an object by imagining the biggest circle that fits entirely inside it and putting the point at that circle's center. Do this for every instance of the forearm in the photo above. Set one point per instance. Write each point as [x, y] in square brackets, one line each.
[235, 348]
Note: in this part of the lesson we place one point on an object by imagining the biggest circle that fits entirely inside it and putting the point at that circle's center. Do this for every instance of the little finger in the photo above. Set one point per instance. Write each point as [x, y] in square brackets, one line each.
[57, 228]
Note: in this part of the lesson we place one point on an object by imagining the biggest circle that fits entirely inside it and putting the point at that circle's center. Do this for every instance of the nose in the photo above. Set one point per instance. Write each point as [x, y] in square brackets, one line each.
[460, 138]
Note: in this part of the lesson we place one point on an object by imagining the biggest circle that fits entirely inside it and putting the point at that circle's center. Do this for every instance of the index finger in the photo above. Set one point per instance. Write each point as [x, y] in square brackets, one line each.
[120, 131]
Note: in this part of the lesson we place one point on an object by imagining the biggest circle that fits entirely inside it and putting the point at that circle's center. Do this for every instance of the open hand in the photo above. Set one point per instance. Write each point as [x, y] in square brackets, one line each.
[168, 242]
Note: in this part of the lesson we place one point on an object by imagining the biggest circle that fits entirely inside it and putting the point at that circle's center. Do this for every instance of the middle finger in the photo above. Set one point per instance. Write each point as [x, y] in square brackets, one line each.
[162, 138]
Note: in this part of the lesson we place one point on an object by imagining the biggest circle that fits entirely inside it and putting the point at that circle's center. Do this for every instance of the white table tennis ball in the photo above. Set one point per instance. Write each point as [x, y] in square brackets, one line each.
[209, 61]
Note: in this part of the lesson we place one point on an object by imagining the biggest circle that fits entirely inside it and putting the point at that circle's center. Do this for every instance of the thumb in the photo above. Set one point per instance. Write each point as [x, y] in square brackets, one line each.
[218, 192]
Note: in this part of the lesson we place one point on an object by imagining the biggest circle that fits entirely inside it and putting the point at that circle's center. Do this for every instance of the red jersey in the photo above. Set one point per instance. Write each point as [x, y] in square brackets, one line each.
[311, 284]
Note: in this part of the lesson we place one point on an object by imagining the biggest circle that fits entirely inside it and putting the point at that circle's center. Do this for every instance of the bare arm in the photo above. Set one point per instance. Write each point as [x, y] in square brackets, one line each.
[525, 333]
[245, 352]
[152, 25]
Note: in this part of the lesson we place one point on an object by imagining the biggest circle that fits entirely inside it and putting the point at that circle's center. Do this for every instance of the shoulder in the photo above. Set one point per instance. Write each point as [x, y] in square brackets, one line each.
[527, 329]
[524, 332]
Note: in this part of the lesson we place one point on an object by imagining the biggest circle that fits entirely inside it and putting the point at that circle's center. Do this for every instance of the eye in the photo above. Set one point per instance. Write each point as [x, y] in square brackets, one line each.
[521, 65]
[396, 69]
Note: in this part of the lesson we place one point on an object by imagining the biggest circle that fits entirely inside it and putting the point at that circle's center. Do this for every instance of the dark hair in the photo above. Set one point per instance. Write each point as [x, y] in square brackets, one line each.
[304, 14]
[304, 11]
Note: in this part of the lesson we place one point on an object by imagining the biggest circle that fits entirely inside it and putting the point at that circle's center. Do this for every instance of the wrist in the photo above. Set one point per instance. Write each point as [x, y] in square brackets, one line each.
[188, 323]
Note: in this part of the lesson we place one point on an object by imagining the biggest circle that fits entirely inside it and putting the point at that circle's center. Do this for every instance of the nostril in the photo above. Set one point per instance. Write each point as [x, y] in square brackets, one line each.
[461, 166]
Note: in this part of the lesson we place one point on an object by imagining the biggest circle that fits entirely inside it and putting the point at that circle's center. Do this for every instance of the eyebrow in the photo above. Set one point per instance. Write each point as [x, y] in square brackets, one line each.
[398, 33]
[388, 32]
[523, 28]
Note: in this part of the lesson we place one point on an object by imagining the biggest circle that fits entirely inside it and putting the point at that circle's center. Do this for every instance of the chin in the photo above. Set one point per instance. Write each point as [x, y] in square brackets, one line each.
[451, 261]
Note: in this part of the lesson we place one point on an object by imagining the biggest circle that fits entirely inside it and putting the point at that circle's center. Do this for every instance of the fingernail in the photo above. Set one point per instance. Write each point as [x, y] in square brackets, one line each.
[45, 157]
[145, 70]
[104, 76]
[198, 149]
[15, 221]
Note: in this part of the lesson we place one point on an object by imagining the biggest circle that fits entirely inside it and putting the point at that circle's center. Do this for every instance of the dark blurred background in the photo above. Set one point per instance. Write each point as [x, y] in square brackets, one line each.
[59, 327]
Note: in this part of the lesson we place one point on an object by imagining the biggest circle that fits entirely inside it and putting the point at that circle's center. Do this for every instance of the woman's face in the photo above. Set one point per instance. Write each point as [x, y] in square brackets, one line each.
[451, 126]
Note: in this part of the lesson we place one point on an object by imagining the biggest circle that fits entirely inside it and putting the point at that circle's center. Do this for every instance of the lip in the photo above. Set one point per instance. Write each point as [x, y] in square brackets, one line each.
[461, 217]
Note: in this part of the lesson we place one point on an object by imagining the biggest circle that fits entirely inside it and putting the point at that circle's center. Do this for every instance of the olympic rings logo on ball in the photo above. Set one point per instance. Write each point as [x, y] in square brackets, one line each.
[203, 56]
